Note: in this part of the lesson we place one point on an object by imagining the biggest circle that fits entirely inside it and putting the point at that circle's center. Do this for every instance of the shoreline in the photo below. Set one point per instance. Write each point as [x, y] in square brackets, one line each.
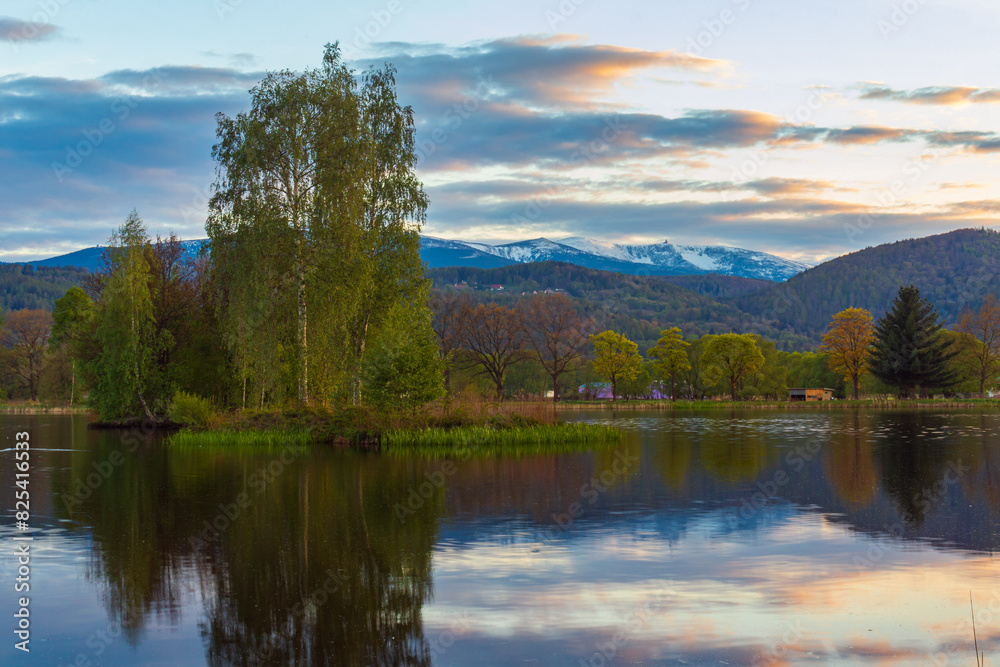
[43, 410]
[861, 404]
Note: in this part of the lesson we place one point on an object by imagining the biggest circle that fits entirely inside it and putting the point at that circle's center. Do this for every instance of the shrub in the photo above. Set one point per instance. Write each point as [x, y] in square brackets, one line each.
[190, 410]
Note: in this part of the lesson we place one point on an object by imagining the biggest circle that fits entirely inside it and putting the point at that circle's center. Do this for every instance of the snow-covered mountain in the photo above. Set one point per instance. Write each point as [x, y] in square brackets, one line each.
[654, 259]
[658, 259]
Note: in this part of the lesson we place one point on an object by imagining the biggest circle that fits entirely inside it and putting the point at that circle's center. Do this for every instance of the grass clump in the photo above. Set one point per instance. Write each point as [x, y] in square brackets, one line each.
[191, 410]
[230, 438]
[508, 439]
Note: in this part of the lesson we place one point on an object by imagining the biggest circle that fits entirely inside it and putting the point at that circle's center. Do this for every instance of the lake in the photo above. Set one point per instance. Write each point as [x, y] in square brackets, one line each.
[746, 538]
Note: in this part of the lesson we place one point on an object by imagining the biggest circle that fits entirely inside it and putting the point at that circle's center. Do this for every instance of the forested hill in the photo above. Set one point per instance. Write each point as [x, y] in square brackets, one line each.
[25, 286]
[637, 306]
[953, 271]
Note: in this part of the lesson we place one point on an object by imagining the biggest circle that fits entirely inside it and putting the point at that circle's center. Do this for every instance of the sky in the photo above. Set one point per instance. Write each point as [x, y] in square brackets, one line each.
[804, 129]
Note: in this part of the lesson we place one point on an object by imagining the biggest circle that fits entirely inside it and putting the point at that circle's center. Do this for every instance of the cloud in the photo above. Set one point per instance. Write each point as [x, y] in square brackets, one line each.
[186, 80]
[793, 220]
[501, 125]
[16, 30]
[551, 72]
[868, 134]
[77, 155]
[939, 95]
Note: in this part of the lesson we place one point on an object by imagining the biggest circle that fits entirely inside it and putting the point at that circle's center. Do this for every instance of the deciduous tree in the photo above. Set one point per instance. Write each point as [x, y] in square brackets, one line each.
[848, 340]
[616, 359]
[733, 358]
[670, 356]
[124, 375]
[72, 317]
[557, 334]
[283, 195]
[494, 338]
[26, 334]
[451, 311]
[981, 339]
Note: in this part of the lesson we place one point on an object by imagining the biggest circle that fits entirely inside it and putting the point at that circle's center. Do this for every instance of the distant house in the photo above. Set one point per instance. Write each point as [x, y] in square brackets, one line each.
[496, 288]
[811, 394]
[602, 390]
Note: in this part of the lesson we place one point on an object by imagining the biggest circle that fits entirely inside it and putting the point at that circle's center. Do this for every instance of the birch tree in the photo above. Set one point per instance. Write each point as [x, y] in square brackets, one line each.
[282, 189]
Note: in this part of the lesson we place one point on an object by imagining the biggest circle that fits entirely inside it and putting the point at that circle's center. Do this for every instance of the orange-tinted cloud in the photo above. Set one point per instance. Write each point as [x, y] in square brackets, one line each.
[938, 95]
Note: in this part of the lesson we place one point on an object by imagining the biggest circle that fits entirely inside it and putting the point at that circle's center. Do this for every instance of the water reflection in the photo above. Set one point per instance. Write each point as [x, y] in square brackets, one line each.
[296, 559]
[844, 537]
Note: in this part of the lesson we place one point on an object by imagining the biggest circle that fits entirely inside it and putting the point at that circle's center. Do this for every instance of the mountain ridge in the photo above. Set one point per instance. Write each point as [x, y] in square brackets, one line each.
[655, 259]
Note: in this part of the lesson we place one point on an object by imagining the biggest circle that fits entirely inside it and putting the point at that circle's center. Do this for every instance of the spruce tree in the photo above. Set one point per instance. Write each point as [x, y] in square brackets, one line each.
[908, 351]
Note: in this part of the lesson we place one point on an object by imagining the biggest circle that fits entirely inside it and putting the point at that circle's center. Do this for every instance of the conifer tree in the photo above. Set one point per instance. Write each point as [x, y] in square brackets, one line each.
[908, 352]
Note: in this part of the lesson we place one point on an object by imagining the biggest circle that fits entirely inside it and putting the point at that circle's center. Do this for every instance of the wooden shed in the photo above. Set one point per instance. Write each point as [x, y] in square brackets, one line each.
[823, 394]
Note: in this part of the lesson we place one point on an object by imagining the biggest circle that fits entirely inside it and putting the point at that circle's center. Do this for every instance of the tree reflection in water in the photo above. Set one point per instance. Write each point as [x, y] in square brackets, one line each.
[316, 570]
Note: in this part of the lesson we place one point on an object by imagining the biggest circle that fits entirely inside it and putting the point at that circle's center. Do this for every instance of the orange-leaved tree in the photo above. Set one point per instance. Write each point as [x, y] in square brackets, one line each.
[848, 340]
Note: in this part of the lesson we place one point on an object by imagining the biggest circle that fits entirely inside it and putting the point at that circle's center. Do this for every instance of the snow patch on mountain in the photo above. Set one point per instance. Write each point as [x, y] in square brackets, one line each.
[697, 256]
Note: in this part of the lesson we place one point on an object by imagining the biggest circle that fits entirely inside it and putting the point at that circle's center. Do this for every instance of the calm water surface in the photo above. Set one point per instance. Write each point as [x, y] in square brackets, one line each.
[705, 539]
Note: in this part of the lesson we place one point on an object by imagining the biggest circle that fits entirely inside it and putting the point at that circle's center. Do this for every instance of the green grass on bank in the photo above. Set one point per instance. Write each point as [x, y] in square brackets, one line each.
[230, 438]
[477, 440]
[485, 428]
[538, 439]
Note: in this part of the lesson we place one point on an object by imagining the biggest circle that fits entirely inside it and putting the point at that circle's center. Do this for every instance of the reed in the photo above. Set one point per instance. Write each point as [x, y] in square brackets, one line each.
[484, 440]
[230, 438]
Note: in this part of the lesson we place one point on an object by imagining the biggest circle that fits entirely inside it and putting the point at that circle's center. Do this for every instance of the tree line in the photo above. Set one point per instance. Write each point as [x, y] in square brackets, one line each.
[905, 352]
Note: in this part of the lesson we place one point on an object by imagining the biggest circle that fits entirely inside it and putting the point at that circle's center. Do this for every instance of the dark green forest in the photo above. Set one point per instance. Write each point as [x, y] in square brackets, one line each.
[23, 286]
[955, 271]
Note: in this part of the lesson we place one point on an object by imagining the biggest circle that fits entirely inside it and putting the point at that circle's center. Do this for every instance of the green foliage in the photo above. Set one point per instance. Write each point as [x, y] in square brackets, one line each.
[770, 381]
[351, 206]
[71, 317]
[811, 370]
[639, 385]
[190, 410]
[23, 286]
[954, 270]
[616, 359]
[125, 380]
[909, 350]
[670, 356]
[732, 358]
[403, 369]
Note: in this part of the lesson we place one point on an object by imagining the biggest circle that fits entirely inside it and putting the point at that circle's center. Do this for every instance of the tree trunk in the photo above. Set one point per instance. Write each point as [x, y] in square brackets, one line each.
[857, 381]
[673, 392]
[732, 389]
[303, 342]
[555, 388]
[360, 353]
[614, 390]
